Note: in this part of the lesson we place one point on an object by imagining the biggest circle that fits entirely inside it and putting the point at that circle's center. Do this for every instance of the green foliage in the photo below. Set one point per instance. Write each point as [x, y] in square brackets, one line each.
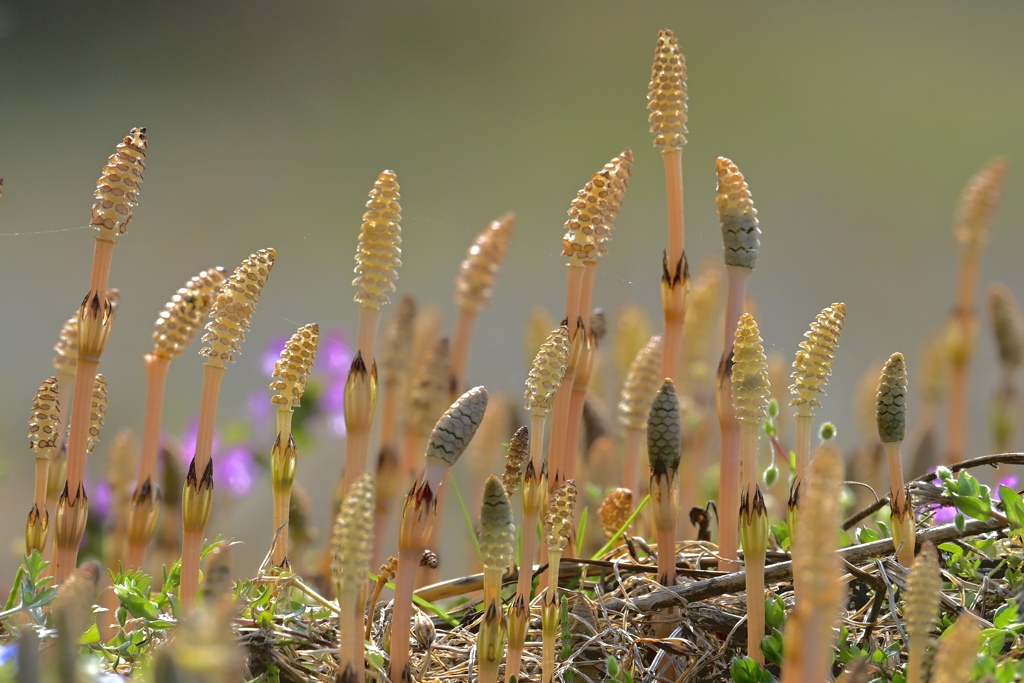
[971, 498]
[31, 591]
[746, 670]
[617, 672]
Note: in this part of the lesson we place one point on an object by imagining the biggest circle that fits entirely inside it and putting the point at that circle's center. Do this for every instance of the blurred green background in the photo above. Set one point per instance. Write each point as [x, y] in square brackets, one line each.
[856, 124]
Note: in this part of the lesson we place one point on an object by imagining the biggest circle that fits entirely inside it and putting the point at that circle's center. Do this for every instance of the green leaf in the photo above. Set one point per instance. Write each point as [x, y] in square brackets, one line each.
[92, 635]
[771, 646]
[582, 531]
[1013, 505]
[973, 507]
[12, 597]
[1006, 616]
[774, 612]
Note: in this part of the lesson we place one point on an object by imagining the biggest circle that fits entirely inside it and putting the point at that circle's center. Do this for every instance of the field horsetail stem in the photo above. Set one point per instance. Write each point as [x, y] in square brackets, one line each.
[741, 243]
[666, 101]
[592, 216]
[72, 514]
[449, 440]
[546, 375]
[809, 630]
[377, 260]
[290, 374]
[811, 370]
[664, 439]
[474, 284]
[558, 528]
[351, 547]
[611, 183]
[891, 412]
[497, 536]
[973, 224]
[921, 608]
[43, 430]
[115, 199]
[750, 394]
[230, 318]
[176, 327]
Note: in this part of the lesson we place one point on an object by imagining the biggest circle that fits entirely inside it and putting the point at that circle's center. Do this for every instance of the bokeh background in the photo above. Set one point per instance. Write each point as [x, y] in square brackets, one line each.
[856, 124]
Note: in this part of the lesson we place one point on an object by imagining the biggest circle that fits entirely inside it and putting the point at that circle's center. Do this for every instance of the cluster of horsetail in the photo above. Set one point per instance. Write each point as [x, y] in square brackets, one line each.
[770, 545]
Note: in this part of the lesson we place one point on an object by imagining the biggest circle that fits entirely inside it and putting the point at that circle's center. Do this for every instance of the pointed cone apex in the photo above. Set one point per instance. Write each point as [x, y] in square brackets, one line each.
[69, 521]
[534, 488]
[516, 457]
[891, 400]
[456, 428]
[44, 421]
[750, 389]
[283, 461]
[666, 95]
[37, 527]
[736, 213]
[118, 187]
[380, 244]
[547, 372]
[184, 313]
[360, 394]
[664, 430]
[143, 513]
[417, 513]
[813, 364]
[197, 498]
[95, 319]
[483, 261]
[497, 532]
[753, 523]
[292, 370]
[642, 383]
[232, 312]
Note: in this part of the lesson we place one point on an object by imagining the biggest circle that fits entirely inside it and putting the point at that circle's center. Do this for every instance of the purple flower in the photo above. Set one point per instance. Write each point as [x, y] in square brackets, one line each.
[945, 514]
[333, 361]
[1009, 482]
[99, 498]
[233, 468]
[236, 470]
